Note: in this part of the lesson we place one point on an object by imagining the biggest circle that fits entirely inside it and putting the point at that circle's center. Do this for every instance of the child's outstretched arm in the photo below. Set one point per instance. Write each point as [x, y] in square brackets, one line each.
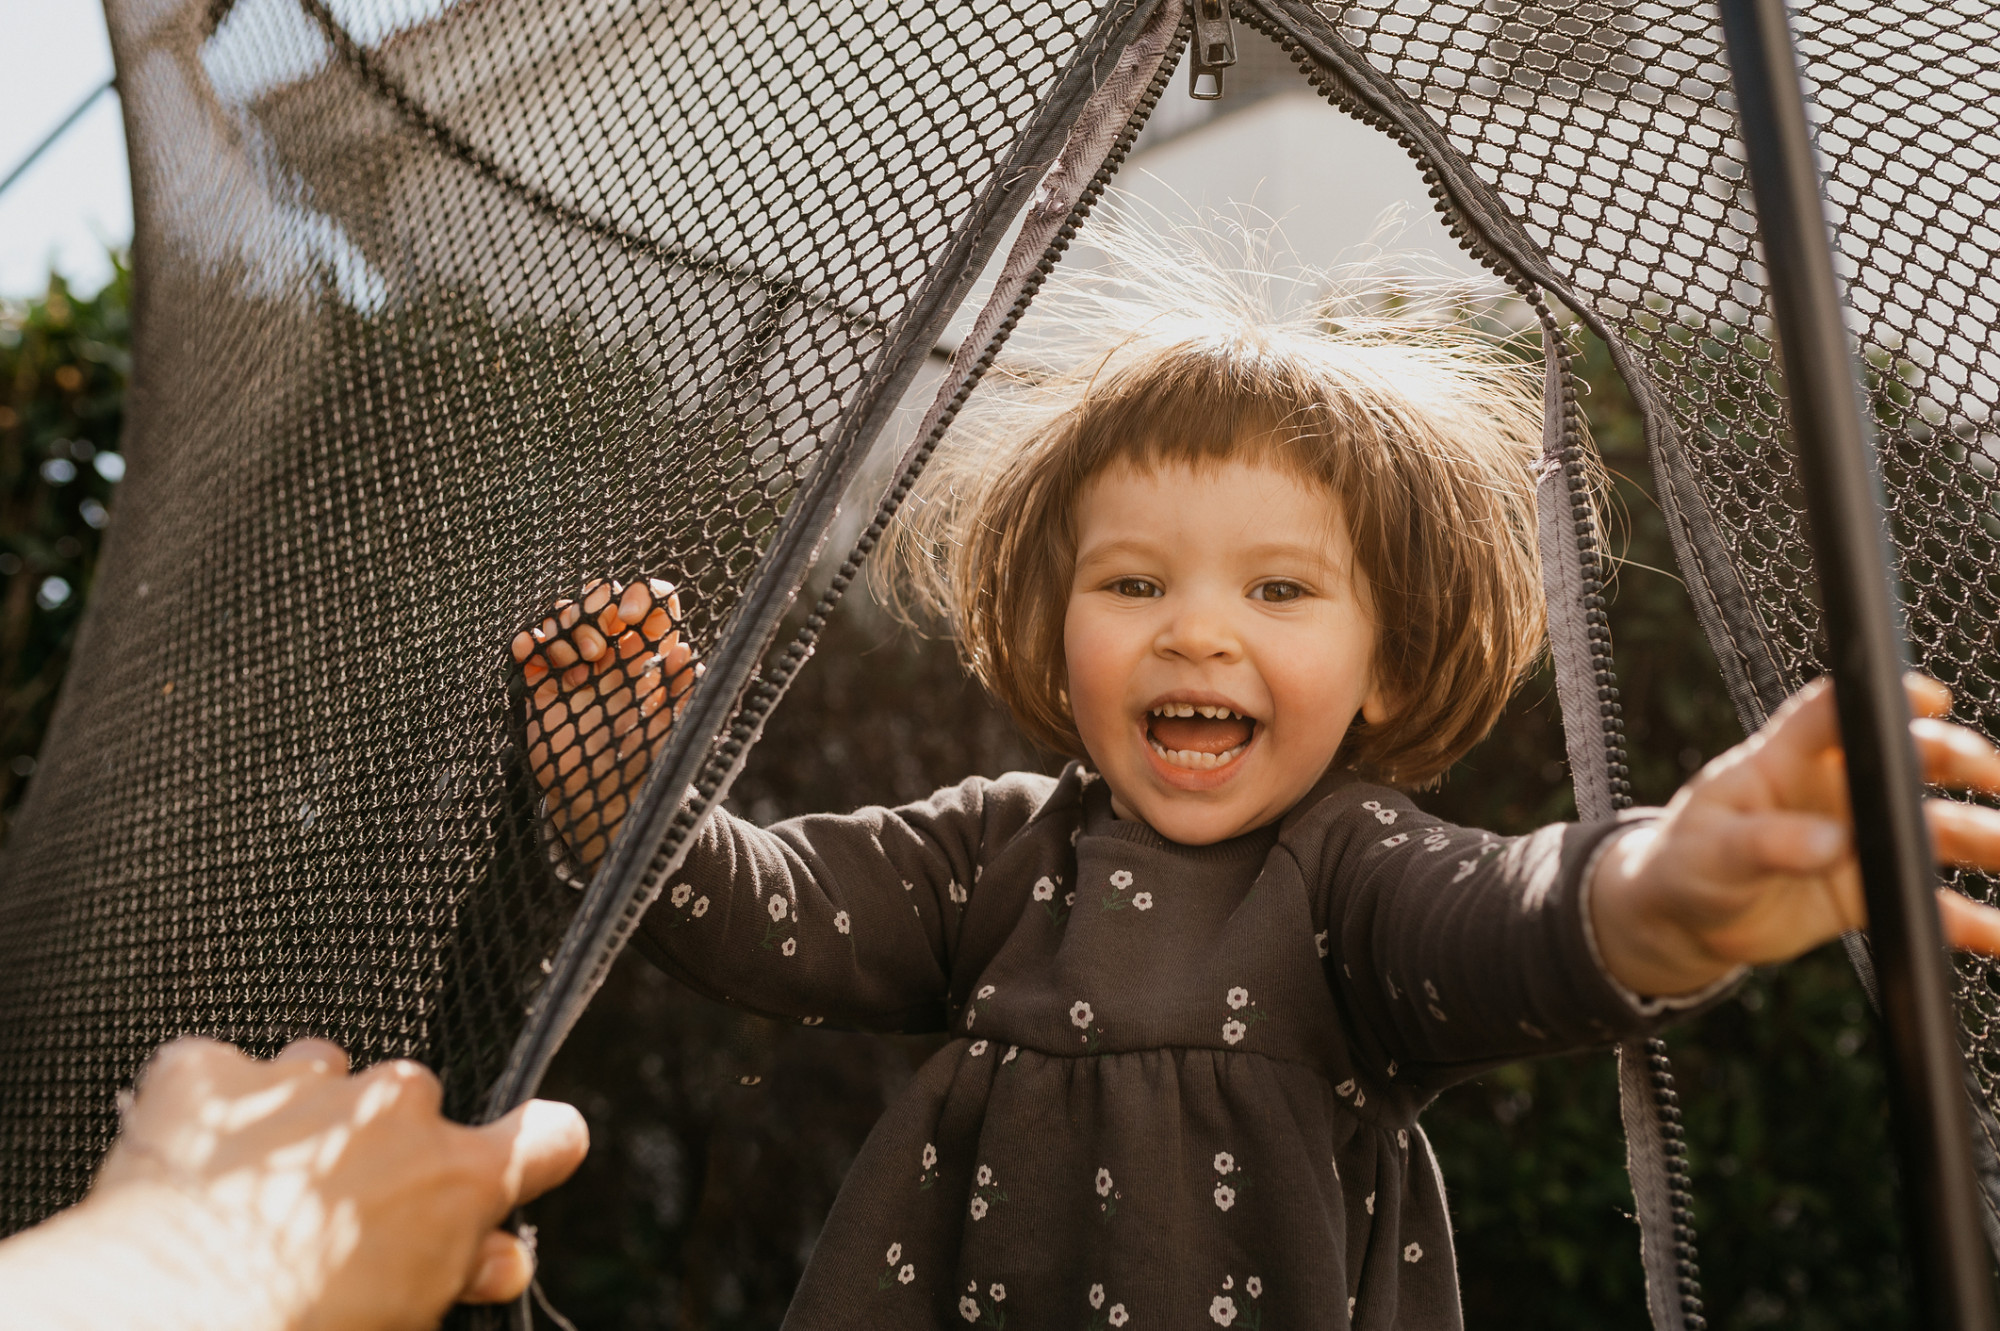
[1753, 861]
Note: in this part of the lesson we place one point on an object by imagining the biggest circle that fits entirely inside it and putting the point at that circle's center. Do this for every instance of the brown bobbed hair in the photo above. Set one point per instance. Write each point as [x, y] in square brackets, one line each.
[1424, 439]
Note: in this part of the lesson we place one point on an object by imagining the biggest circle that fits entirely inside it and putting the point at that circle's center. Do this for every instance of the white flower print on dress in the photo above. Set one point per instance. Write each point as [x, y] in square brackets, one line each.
[1238, 997]
[1142, 901]
[680, 895]
[789, 947]
[1436, 841]
[997, 1292]
[968, 1308]
[1224, 1162]
[1013, 1052]
[891, 1275]
[1233, 1031]
[1069, 898]
[841, 924]
[1225, 1196]
[985, 1176]
[955, 892]
[1117, 1315]
[1413, 1253]
[1403, 1138]
[1370, 1203]
[978, 1048]
[895, 1254]
[1319, 942]
[906, 1275]
[1396, 840]
[930, 1155]
[1080, 1015]
[1382, 815]
[1121, 879]
[1465, 868]
[777, 906]
[978, 1208]
[1097, 1296]
[1254, 1287]
[811, 1021]
[985, 991]
[1044, 890]
[930, 1174]
[1345, 1088]
[1103, 1182]
[700, 907]
[1222, 1309]
[971, 1015]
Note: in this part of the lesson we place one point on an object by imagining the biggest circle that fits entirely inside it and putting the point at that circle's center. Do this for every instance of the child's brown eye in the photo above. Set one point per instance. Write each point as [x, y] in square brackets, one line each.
[1138, 587]
[1279, 591]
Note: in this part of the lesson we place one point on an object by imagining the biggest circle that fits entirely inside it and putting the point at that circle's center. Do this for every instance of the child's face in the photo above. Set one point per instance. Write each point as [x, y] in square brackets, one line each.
[1233, 587]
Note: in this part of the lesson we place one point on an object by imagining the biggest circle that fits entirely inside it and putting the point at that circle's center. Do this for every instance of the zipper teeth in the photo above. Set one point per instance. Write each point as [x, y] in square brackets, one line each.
[770, 685]
[1666, 1101]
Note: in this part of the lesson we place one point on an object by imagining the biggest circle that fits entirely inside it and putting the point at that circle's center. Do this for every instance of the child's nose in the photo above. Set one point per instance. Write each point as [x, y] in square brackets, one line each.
[1199, 632]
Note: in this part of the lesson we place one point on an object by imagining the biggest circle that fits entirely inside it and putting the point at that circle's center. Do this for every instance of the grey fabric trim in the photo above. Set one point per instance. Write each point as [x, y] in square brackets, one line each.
[1562, 589]
[1585, 737]
[1652, 1195]
[683, 782]
[1097, 130]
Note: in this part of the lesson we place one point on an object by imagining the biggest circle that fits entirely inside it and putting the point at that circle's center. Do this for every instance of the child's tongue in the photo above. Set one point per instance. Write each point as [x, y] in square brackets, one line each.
[1200, 733]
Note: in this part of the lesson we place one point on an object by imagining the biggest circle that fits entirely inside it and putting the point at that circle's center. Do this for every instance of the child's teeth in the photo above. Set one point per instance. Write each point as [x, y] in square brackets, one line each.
[1195, 758]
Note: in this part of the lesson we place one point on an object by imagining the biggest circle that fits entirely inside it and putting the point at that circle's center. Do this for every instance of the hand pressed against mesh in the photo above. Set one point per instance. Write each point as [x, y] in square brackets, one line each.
[607, 674]
[1753, 861]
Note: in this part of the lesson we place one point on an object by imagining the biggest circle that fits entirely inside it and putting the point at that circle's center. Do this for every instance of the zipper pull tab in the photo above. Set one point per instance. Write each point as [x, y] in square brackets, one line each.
[1214, 49]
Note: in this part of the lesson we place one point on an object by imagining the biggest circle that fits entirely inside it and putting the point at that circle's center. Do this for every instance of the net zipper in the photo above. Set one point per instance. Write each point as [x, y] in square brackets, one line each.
[765, 691]
[1664, 1096]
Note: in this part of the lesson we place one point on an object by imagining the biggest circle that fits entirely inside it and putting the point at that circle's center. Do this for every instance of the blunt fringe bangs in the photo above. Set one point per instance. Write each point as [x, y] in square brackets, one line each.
[1423, 433]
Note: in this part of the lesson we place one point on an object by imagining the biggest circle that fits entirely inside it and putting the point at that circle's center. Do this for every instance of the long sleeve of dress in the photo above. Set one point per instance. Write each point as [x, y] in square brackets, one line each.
[1455, 950]
[852, 919]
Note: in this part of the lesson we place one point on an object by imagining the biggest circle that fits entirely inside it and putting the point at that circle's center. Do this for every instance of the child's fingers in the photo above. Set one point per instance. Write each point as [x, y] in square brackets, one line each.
[1969, 924]
[590, 644]
[561, 653]
[1955, 756]
[523, 646]
[1964, 834]
[534, 671]
[1927, 696]
[635, 602]
[596, 595]
[1780, 841]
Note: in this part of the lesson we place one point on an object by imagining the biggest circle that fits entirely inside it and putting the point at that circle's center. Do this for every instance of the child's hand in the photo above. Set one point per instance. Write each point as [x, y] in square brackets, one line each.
[606, 675]
[1752, 862]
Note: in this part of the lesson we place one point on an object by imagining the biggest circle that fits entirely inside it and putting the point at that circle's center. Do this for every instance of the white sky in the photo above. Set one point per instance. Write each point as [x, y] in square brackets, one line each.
[77, 199]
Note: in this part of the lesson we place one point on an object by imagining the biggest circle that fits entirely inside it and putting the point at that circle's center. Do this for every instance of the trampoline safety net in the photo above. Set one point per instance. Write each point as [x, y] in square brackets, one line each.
[451, 306]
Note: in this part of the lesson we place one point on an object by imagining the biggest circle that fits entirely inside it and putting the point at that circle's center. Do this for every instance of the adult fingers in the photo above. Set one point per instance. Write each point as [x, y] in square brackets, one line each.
[317, 1054]
[500, 1271]
[523, 646]
[539, 1145]
[409, 1084]
[1968, 924]
[589, 642]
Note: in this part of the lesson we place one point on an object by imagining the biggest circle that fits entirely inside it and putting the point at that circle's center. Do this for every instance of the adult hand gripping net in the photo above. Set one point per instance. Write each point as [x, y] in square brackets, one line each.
[448, 308]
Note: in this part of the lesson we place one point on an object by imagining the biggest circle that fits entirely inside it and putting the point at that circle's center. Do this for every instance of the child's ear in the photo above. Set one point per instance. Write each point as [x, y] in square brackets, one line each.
[1376, 708]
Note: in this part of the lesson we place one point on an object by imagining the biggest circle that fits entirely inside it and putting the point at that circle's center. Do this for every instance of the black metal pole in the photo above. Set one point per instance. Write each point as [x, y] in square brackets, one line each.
[1837, 464]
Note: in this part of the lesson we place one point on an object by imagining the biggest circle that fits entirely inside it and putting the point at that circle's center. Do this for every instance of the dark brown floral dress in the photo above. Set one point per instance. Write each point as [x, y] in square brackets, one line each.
[1186, 1080]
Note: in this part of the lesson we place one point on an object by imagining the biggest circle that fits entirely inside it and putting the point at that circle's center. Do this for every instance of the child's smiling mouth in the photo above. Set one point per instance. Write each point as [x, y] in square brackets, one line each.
[1198, 737]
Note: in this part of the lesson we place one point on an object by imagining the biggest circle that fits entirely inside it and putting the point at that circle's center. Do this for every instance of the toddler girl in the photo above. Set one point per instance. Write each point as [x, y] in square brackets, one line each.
[1255, 581]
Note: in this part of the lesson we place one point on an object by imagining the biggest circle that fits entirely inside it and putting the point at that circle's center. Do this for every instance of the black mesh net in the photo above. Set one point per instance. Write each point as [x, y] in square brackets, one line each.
[451, 308]
[1608, 131]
